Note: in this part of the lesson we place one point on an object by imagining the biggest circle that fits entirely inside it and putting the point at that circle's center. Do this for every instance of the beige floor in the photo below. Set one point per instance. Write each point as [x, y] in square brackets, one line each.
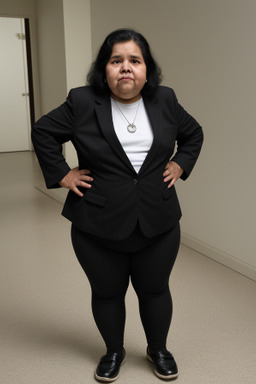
[47, 333]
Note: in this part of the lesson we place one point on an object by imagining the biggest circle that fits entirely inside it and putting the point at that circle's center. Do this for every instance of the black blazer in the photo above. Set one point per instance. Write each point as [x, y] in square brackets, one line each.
[119, 197]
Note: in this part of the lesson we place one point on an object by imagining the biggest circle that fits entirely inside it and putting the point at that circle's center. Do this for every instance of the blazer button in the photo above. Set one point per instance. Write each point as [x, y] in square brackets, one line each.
[135, 181]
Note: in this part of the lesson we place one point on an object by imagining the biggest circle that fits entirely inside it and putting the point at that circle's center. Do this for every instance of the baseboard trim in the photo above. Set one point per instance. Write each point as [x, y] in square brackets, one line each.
[219, 256]
[58, 194]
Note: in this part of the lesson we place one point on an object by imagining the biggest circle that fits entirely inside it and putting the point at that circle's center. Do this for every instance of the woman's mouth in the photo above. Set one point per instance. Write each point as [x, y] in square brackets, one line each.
[126, 78]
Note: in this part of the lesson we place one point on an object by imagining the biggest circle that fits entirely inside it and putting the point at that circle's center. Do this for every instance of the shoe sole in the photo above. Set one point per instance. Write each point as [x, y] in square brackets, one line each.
[105, 379]
[169, 377]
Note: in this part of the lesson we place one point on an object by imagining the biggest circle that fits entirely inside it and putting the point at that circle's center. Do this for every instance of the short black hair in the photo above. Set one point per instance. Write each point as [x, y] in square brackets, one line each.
[96, 75]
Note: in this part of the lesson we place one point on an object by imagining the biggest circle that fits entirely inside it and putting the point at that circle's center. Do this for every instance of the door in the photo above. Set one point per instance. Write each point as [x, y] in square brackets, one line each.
[14, 94]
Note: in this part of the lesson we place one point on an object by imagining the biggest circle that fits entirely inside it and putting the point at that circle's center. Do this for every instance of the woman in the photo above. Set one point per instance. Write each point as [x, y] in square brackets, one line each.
[122, 201]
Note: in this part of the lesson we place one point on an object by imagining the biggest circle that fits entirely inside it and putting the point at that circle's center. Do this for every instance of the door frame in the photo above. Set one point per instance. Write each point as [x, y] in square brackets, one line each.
[29, 72]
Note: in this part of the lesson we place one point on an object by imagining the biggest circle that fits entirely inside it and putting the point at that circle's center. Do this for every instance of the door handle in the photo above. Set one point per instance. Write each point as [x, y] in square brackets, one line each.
[25, 94]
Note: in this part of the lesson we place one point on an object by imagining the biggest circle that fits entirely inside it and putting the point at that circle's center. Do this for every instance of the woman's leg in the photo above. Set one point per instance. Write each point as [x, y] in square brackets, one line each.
[150, 272]
[108, 274]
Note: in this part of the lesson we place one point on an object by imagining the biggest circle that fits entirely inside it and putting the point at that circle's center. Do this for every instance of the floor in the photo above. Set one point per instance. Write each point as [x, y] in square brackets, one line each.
[47, 331]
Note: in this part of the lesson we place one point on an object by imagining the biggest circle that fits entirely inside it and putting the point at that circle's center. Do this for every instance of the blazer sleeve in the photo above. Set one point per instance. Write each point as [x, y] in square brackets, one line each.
[48, 134]
[189, 139]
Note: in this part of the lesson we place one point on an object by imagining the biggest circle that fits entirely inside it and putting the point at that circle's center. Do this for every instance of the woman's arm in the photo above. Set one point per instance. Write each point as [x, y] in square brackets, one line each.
[189, 140]
[48, 134]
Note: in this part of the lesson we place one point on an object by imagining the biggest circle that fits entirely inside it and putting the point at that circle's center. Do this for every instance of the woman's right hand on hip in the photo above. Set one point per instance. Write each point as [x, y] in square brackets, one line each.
[77, 178]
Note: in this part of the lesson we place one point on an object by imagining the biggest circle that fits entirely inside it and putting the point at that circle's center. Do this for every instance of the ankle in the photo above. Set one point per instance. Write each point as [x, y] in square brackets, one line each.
[118, 350]
[155, 349]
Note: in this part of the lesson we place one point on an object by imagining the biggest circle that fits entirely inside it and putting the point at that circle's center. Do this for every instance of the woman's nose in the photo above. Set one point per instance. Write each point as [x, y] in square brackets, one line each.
[126, 67]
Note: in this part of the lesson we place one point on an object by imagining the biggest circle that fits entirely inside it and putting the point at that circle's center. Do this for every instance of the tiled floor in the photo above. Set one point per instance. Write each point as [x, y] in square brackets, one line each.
[47, 331]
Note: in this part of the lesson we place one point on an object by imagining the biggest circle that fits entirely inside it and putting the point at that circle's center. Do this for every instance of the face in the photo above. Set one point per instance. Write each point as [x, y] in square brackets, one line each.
[126, 72]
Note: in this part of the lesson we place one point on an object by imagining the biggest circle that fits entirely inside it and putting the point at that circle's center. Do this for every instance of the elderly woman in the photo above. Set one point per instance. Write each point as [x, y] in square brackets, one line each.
[122, 201]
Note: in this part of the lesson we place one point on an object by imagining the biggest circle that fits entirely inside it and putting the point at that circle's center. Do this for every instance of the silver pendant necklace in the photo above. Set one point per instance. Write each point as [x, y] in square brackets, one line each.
[131, 127]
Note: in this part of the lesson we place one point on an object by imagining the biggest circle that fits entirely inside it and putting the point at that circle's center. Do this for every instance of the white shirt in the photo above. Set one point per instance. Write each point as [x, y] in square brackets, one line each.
[137, 144]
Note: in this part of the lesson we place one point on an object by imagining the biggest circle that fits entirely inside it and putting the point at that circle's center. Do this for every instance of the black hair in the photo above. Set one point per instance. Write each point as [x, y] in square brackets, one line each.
[96, 75]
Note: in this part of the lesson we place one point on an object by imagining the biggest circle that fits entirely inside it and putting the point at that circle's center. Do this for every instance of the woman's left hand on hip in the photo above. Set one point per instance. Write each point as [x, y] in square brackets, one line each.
[172, 173]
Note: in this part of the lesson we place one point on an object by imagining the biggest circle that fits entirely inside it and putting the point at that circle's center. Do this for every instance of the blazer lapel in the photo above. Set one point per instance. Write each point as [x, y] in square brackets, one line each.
[155, 114]
[103, 111]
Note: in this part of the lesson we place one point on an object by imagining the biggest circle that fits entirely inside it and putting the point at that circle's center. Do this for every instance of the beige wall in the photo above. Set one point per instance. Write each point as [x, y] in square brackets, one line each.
[77, 31]
[51, 51]
[64, 41]
[206, 51]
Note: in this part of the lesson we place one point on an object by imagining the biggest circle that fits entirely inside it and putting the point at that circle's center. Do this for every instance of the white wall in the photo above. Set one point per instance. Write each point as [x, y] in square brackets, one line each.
[14, 127]
[206, 50]
[26, 9]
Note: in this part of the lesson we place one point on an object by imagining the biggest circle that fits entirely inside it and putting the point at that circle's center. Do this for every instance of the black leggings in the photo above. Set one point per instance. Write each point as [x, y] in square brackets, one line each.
[109, 271]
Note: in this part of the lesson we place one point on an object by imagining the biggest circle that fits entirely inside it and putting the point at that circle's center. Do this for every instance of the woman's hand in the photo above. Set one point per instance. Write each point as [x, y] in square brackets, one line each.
[172, 172]
[77, 178]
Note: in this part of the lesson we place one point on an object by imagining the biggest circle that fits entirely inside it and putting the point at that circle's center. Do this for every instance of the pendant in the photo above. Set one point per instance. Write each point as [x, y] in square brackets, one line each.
[131, 128]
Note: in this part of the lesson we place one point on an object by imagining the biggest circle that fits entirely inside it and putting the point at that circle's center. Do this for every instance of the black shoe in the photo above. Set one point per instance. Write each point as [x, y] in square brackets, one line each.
[165, 366]
[109, 366]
